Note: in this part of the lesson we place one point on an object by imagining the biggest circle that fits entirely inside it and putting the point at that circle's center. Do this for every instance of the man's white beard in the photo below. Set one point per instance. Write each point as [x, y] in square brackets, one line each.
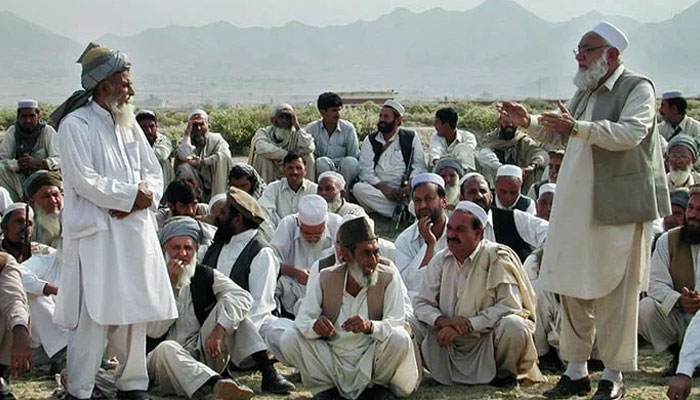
[49, 222]
[359, 276]
[187, 272]
[123, 115]
[334, 205]
[587, 79]
[679, 177]
[312, 248]
[452, 192]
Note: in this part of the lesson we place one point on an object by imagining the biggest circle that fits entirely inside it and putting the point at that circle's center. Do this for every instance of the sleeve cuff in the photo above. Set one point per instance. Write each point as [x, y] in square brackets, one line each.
[669, 302]
[584, 129]
[685, 368]
[479, 323]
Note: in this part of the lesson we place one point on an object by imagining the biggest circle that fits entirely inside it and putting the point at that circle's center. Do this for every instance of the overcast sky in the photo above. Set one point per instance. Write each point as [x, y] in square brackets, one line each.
[83, 20]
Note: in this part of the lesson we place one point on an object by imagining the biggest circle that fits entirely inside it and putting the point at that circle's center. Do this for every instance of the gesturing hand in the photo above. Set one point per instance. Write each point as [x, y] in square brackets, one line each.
[561, 123]
[357, 324]
[513, 114]
[324, 327]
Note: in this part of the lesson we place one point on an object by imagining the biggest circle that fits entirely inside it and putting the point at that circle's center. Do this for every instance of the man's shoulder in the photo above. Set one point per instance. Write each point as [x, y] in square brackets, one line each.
[345, 124]
[408, 234]
[48, 130]
[215, 136]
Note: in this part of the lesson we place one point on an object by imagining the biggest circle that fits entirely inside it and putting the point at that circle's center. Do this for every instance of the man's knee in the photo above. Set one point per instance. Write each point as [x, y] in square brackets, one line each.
[323, 164]
[648, 312]
[349, 165]
[398, 341]
[165, 349]
[512, 328]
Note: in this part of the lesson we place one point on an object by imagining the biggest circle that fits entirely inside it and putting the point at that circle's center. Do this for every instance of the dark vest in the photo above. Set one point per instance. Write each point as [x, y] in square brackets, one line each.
[405, 143]
[506, 232]
[241, 268]
[681, 267]
[523, 203]
[326, 262]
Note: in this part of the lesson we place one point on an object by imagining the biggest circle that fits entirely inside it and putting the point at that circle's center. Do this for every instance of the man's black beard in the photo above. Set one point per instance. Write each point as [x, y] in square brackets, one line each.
[386, 127]
[224, 231]
[151, 139]
[198, 140]
[507, 133]
[690, 234]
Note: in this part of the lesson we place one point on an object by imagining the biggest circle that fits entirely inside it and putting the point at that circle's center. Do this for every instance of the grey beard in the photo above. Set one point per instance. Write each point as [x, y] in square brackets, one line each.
[359, 276]
[187, 272]
[123, 115]
[679, 177]
[334, 206]
[280, 134]
[587, 79]
[312, 248]
[452, 194]
[49, 222]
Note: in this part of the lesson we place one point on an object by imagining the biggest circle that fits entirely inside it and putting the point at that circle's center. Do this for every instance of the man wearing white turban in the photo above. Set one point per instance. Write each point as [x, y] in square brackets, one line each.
[271, 144]
[113, 277]
[597, 258]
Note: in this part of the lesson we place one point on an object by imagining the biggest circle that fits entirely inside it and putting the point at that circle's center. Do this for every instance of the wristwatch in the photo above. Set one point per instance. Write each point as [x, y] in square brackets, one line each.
[574, 129]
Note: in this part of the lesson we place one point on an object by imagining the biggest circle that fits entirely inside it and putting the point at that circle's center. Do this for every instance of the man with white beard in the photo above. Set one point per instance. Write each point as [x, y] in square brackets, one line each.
[45, 196]
[597, 257]
[681, 157]
[271, 144]
[203, 155]
[451, 172]
[299, 240]
[331, 186]
[349, 338]
[113, 276]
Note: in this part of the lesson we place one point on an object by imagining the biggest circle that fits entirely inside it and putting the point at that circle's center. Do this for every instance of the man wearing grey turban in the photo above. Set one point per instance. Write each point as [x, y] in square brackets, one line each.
[112, 185]
[271, 144]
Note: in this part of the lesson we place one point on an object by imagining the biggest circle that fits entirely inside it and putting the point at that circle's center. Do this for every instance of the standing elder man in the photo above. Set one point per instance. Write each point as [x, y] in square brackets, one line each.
[597, 257]
[113, 277]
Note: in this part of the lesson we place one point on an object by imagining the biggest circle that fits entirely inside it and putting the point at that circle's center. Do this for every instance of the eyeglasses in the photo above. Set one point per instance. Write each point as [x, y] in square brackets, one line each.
[583, 51]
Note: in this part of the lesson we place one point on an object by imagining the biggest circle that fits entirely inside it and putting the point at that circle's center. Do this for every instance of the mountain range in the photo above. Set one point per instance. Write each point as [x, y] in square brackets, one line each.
[496, 50]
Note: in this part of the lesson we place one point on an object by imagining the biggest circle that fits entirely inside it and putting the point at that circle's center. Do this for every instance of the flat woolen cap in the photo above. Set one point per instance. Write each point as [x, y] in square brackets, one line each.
[246, 205]
[356, 230]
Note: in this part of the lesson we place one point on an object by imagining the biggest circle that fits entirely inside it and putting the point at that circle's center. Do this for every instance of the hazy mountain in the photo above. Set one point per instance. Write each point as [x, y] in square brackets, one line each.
[496, 49]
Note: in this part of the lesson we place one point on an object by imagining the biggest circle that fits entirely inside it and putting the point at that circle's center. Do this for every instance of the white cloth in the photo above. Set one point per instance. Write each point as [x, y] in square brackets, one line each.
[532, 230]
[548, 321]
[125, 279]
[264, 269]
[690, 351]
[5, 199]
[390, 167]
[163, 147]
[348, 208]
[372, 199]
[173, 370]
[580, 250]
[688, 126]
[462, 149]
[410, 251]
[279, 200]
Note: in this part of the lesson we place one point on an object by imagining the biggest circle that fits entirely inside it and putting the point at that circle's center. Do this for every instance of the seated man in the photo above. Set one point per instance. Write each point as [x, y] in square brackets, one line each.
[476, 309]
[679, 202]
[181, 200]
[675, 121]
[272, 144]
[331, 186]
[17, 230]
[15, 355]
[335, 140]
[212, 329]
[681, 157]
[29, 145]
[246, 178]
[556, 156]
[509, 184]
[203, 155]
[543, 206]
[451, 172]
[45, 195]
[161, 144]
[349, 338]
[389, 158]
[450, 142]
[281, 197]
[418, 243]
[674, 292]
[299, 241]
[689, 361]
[506, 145]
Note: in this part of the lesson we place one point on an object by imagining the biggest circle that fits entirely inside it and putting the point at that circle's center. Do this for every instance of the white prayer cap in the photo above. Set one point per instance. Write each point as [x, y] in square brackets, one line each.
[612, 35]
[282, 107]
[28, 103]
[336, 177]
[510, 170]
[149, 113]
[671, 95]
[17, 206]
[469, 176]
[474, 209]
[395, 105]
[547, 188]
[196, 112]
[427, 177]
[216, 199]
[313, 210]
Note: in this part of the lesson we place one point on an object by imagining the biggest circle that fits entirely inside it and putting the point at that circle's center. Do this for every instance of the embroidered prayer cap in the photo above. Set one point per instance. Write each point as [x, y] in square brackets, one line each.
[474, 209]
[612, 34]
[28, 103]
[17, 206]
[41, 178]
[356, 230]
[313, 210]
[198, 112]
[672, 95]
[451, 163]
[510, 170]
[281, 107]
[336, 177]
[181, 226]
[427, 177]
[395, 105]
[547, 188]
[470, 175]
[246, 205]
[683, 140]
[680, 197]
[215, 199]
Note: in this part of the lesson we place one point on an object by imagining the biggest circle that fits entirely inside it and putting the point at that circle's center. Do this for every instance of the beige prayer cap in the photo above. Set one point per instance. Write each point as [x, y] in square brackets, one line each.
[246, 205]
[17, 206]
[510, 170]
[313, 210]
[282, 107]
[547, 188]
[28, 103]
[334, 176]
[356, 230]
[395, 105]
[198, 112]
[474, 209]
[612, 34]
